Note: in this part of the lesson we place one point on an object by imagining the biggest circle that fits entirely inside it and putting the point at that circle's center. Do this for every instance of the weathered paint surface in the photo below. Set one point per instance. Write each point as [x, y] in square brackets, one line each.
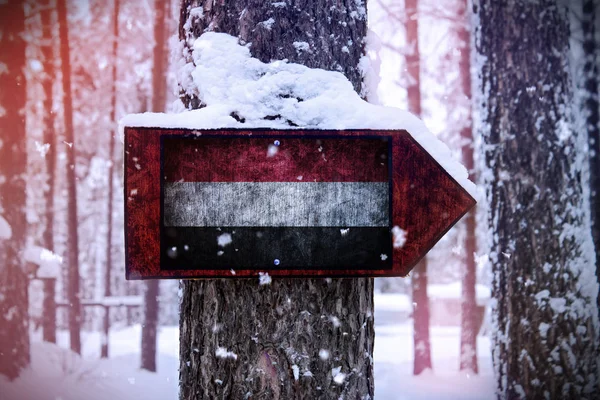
[293, 204]
[425, 203]
[244, 158]
[279, 248]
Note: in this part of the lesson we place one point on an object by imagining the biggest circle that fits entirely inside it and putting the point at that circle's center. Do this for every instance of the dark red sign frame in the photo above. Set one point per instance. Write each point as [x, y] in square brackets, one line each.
[426, 203]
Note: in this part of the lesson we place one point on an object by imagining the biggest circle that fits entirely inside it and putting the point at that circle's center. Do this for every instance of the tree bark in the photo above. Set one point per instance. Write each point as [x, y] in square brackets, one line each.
[47, 48]
[418, 280]
[289, 337]
[159, 88]
[14, 317]
[73, 241]
[544, 285]
[468, 306]
[592, 109]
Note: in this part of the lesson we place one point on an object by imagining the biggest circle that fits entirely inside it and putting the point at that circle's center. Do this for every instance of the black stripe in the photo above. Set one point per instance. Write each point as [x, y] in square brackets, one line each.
[259, 248]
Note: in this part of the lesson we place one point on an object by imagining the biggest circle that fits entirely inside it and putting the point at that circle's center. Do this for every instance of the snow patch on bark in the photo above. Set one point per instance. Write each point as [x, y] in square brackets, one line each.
[5, 229]
[338, 376]
[267, 24]
[222, 352]
[370, 66]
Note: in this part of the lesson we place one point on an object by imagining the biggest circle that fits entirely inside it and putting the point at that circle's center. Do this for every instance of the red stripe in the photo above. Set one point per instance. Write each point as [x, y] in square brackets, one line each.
[248, 159]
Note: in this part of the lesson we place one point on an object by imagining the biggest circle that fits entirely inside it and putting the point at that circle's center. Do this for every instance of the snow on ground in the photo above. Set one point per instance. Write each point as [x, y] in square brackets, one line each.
[57, 374]
[454, 291]
[393, 367]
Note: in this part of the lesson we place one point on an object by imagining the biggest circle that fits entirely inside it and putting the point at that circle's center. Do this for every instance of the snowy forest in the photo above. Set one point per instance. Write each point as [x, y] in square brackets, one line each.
[505, 306]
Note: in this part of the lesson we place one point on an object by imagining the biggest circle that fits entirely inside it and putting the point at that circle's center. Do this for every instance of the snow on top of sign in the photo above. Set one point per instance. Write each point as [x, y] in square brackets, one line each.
[240, 92]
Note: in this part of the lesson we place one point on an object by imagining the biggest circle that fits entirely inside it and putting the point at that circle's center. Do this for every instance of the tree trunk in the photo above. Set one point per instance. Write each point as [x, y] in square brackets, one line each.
[149, 327]
[49, 307]
[73, 241]
[422, 347]
[47, 48]
[468, 306]
[421, 342]
[291, 336]
[159, 87]
[544, 285]
[14, 317]
[592, 109]
[110, 172]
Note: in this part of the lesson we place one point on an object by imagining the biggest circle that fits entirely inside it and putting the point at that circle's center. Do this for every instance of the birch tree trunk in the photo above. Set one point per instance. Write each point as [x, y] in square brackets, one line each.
[14, 317]
[544, 287]
[289, 336]
[418, 277]
[72, 234]
[468, 305]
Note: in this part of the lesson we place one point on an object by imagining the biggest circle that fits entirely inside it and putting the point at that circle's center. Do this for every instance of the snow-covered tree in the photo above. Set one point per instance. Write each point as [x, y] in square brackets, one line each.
[592, 115]
[544, 287]
[316, 328]
[14, 319]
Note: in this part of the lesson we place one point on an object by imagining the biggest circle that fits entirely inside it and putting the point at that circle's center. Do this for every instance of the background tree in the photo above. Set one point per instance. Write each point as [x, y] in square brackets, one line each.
[72, 222]
[47, 45]
[110, 171]
[159, 87]
[546, 316]
[418, 276]
[469, 326]
[14, 319]
[290, 320]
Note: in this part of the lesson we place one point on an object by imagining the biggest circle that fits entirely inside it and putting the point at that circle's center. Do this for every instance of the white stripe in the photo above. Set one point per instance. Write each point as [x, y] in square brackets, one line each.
[294, 204]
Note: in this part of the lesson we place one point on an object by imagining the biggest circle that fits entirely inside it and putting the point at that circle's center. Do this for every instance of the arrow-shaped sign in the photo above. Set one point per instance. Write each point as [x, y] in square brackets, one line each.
[224, 203]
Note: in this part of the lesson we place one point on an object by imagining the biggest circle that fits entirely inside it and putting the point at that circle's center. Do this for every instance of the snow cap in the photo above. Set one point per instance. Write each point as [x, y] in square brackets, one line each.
[240, 91]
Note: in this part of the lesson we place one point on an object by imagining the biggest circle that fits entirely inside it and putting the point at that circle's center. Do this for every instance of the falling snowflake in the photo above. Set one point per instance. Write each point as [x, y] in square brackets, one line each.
[264, 278]
[224, 239]
[399, 237]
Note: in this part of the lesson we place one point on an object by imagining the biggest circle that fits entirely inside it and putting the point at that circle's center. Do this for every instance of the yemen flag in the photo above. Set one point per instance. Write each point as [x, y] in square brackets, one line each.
[252, 202]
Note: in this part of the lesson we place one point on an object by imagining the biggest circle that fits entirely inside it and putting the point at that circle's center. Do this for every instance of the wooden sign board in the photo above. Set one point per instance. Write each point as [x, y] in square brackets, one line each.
[295, 203]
